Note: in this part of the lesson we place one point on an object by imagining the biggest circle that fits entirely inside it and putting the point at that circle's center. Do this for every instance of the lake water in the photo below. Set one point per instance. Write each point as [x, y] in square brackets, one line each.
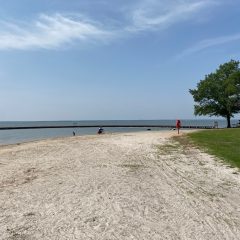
[18, 136]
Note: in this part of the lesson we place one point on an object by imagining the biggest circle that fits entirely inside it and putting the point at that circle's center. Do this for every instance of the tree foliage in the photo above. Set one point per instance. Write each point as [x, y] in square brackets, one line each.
[218, 94]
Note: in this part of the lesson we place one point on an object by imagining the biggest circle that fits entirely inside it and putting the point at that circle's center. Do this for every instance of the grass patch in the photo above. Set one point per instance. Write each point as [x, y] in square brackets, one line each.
[132, 167]
[223, 143]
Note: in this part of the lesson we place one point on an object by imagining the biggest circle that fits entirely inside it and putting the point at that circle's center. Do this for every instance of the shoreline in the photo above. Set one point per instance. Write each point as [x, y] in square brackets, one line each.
[89, 135]
[27, 135]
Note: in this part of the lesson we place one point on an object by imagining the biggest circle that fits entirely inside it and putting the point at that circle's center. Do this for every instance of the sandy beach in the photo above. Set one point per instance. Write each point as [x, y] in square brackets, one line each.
[116, 186]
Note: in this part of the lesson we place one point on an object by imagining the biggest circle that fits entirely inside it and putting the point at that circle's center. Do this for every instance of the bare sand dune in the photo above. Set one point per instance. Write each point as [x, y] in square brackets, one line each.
[119, 186]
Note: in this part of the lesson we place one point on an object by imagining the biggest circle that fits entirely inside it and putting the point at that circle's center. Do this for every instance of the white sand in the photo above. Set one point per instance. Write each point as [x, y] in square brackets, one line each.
[117, 186]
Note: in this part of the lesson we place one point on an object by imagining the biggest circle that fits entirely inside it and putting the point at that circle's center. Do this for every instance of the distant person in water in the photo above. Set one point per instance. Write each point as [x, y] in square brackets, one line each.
[100, 130]
[178, 125]
[74, 133]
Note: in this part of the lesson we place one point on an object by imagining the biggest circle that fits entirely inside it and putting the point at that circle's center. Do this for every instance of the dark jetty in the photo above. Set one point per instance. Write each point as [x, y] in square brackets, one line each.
[106, 126]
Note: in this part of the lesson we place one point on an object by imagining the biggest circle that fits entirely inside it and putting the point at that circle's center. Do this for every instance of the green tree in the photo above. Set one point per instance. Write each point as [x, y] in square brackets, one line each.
[219, 93]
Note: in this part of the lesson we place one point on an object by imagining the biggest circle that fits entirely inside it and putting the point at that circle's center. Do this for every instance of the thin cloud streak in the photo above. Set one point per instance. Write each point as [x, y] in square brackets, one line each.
[154, 14]
[55, 31]
[208, 43]
[50, 32]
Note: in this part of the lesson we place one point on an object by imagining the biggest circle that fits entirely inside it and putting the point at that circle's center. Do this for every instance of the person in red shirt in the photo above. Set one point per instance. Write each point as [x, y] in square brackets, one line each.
[178, 125]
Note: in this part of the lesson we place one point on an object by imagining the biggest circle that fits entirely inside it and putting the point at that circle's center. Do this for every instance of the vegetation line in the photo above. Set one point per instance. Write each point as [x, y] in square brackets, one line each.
[223, 143]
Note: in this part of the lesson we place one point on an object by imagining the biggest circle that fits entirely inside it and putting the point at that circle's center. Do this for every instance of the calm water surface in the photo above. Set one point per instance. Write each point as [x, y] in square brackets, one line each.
[18, 136]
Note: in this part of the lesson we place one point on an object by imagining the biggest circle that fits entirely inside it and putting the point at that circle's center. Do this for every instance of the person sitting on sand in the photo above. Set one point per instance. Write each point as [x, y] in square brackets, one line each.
[100, 130]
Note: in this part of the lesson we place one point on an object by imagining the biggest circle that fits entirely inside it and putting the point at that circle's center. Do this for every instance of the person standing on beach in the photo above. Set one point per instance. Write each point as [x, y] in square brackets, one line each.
[178, 125]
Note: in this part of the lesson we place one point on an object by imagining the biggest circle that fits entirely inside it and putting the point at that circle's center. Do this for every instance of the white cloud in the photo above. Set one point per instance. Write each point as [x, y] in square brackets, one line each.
[55, 31]
[153, 14]
[209, 43]
[49, 32]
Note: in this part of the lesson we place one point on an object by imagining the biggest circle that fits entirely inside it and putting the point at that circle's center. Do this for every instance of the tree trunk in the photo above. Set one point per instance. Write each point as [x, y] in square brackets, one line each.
[228, 121]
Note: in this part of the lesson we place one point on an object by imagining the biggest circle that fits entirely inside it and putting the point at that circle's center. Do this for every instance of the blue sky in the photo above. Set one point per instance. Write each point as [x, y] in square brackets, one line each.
[102, 59]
